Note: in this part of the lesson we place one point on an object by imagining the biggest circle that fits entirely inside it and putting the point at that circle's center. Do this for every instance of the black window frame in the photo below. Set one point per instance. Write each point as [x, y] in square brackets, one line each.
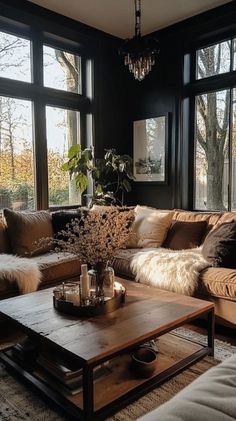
[192, 87]
[42, 96]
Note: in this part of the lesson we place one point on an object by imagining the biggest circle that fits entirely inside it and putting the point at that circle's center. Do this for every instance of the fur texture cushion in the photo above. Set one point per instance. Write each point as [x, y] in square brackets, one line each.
[172, 270]
[21, 270]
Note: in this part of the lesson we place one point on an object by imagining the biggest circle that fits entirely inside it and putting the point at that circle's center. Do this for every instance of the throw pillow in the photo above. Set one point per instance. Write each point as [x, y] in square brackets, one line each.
[185, 235]
[219, 247]
[63, 217]
[4, 240]
[149, 227]
[26, 229]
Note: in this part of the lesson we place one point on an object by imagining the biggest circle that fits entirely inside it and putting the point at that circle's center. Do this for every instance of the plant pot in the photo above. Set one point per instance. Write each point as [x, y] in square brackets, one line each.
[144, 362]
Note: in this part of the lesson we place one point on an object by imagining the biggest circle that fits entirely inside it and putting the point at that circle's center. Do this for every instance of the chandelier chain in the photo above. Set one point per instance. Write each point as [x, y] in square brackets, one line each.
[139, 52]
[137, 4]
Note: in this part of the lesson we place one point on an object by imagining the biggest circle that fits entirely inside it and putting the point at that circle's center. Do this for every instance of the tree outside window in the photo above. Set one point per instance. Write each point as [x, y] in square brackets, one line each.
[62, 71]
[213, 144]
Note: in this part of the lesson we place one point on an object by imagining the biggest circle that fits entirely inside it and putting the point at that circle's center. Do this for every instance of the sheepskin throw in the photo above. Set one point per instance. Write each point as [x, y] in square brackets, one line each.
[172, 270]
[22, 271]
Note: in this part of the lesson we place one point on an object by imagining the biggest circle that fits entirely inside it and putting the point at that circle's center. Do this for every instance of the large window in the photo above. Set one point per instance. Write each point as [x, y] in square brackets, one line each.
[17, 188]
[215, 128]
[41, 105]
[62, 132]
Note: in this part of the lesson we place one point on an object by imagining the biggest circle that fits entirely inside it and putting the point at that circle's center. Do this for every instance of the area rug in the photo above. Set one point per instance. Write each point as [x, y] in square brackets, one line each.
[18, 402]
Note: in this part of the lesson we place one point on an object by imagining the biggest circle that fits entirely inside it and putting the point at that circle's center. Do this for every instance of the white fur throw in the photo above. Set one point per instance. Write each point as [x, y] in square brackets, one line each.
[172, 270]
[21, 270]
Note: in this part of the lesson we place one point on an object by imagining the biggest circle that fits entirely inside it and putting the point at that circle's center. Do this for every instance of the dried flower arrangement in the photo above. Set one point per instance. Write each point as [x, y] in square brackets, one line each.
[96, 236]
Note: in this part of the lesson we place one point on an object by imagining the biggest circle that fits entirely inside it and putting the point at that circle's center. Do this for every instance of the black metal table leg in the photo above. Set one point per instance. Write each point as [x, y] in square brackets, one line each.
[88, 393]
[211, 330]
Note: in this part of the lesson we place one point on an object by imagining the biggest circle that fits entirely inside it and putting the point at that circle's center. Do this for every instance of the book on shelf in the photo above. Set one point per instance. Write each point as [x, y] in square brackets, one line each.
[25, 351]
[62, 374]
[71, 381]
[59, 368]
[61, 387]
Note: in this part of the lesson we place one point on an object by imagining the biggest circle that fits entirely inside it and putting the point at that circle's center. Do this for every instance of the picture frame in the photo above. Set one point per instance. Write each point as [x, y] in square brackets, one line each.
[150, 149]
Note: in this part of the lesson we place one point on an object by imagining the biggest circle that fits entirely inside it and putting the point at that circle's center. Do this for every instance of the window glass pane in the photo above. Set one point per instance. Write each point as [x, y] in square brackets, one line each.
[213, 60]
[61, 70]
[16, 154]
[62, 132]
[211, 150]
[15, 57]
[233, 186]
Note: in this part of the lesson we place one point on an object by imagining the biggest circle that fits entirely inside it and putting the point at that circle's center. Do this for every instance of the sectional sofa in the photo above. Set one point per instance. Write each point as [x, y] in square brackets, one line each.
[217, 284]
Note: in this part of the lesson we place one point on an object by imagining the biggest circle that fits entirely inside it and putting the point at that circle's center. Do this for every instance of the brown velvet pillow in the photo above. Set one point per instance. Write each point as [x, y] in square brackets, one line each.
[27, 228]
[185, 235]
[219, 247]
[4, 240]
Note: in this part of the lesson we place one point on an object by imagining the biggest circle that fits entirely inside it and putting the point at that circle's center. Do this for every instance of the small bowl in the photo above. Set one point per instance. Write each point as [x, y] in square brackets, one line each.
[144, 361]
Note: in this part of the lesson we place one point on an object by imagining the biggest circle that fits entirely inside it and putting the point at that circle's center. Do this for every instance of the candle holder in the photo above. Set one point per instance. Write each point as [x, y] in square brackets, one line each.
[67, 299]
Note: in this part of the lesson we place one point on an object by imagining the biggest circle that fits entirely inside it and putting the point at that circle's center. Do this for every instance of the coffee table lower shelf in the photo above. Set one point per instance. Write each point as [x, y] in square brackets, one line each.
[121, 385]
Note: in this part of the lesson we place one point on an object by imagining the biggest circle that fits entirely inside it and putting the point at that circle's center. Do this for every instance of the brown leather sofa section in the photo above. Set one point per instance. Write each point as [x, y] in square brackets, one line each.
[215, 284]
[220, 282]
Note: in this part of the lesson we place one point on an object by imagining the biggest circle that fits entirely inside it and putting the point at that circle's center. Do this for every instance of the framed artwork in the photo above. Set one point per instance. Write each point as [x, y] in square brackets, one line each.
[150, 149]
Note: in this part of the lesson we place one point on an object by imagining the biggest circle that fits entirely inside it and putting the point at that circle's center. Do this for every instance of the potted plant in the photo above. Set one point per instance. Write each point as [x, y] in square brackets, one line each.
[111, 175]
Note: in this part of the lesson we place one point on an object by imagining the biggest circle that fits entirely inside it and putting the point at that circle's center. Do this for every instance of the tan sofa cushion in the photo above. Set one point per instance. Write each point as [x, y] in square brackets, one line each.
[227, 217]
[149, 228]
[4, 240]
[57, 267]
[25, 229]
[187, 216]
[220, 282]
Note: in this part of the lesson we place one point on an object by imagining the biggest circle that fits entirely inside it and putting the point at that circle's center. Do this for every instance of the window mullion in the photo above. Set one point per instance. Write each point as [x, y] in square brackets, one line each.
[41, 169]
[37, 63]
[230, 149]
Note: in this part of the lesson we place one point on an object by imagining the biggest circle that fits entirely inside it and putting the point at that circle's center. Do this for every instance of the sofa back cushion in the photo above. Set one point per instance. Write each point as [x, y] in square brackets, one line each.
[25, 229]
[227, 217]
[4, 240]
[219, 247]
[149, 227]
[188, 216]
[185, 235]
[61, 218]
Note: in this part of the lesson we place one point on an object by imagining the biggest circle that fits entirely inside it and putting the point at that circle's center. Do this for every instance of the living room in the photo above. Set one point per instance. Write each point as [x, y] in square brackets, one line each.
[117, 164]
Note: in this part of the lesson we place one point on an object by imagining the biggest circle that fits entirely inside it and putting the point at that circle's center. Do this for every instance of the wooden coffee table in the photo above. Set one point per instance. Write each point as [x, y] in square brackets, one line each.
[148, 313]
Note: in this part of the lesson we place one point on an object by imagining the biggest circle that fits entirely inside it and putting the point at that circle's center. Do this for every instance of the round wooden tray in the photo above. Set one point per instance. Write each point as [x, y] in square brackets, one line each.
[107, 306]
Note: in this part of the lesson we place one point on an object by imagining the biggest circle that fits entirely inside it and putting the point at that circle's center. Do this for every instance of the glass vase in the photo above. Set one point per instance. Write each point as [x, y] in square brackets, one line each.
[102, 280]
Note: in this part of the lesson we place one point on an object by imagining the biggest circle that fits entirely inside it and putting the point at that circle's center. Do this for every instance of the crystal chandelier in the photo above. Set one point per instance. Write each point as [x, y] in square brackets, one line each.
[139, 53]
